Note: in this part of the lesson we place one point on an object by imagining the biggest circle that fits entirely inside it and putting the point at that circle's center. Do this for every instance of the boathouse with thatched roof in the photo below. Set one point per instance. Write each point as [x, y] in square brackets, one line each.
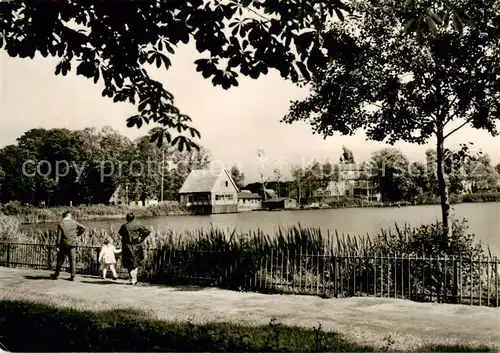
[207, 191]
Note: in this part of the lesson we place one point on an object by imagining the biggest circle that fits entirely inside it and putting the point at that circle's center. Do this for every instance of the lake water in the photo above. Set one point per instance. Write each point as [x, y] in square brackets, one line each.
[484, 220]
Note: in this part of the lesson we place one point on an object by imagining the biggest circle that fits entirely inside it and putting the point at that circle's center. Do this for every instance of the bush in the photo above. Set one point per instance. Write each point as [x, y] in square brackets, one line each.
[31, 214]
[482, 197]
[13, 208]
[417, 263]
[10, 230]
[441, 269]
[348, 202]
[428, 240]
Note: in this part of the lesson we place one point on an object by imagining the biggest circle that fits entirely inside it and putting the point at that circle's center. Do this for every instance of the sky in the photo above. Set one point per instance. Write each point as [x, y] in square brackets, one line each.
[234, 124]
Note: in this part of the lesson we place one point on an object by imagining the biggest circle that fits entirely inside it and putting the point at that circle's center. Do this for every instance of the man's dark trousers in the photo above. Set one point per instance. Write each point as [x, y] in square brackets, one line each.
[64, 251]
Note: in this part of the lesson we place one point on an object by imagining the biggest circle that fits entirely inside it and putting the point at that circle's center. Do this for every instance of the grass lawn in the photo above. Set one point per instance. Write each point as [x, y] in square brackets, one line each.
[95, 315]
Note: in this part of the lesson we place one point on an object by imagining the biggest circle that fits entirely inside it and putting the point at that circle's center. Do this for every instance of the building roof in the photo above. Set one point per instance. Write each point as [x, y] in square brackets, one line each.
[245, 194]
[278, 199]
[270, 192]
[203, 180]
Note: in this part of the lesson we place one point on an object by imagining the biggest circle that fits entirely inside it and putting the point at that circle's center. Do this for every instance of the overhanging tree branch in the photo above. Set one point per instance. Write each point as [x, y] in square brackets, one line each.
[451, 111]
[458, 128]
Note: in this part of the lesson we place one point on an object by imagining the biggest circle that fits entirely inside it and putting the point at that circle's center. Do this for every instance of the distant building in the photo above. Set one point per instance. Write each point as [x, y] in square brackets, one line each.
[144, 203]
[209, 191]
[249, 201]
[350, 172]
[118, 197]
[350, 183]
[334, 188]
[269, 194]
[280, 203]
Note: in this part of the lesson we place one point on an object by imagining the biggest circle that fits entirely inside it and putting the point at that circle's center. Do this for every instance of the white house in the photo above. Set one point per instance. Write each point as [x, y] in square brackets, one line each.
[209, 191]
[117, 197]
[144, 203]
[350, 183]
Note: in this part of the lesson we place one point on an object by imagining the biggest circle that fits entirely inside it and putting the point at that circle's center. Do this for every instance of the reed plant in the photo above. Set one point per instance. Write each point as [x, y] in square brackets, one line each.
[10, 230]
[28, 214]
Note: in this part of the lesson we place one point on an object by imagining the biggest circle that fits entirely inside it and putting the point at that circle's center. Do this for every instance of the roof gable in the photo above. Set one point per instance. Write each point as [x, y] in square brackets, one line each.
[232, 180]
[224, 175]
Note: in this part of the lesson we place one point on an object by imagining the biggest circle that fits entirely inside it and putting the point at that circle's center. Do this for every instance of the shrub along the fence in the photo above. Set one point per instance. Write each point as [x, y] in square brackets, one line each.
[443, 279]
[31, 214]
[416, 263]
[455, 279]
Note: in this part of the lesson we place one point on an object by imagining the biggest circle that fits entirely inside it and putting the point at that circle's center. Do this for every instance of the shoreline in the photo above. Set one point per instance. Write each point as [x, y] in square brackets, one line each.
[105, 217]
[90, 217]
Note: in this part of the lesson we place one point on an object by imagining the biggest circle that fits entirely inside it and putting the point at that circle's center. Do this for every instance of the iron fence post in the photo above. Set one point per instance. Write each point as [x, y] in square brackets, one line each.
[455, 280]
[8, 255]
[233, 271]
[49, 257]
[97, 265]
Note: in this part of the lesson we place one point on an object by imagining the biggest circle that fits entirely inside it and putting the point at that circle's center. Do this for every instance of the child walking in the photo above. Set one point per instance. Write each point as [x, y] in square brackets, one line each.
[107, 259]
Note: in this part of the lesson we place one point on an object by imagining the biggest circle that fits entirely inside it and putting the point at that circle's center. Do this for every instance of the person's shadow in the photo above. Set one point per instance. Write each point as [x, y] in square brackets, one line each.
[102, 281]
[36, 277]
[43, 277]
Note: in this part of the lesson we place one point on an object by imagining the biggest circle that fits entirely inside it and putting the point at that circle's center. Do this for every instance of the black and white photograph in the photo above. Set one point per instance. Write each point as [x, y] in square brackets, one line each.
[249, 176]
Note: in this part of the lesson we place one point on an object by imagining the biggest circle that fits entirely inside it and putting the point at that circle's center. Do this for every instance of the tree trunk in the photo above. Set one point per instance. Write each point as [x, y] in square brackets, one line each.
[443, 188]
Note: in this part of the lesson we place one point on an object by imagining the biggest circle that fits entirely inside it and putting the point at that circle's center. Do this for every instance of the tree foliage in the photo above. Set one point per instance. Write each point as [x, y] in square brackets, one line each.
[481, 174]
[316, 176]
[112, 42]
[238, 176]
[410, 88]
[347, 157]
[389, 169]
[402, 90]
[86, 166]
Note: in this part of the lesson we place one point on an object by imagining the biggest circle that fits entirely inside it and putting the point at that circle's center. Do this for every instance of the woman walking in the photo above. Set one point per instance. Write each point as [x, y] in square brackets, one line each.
[132, 234]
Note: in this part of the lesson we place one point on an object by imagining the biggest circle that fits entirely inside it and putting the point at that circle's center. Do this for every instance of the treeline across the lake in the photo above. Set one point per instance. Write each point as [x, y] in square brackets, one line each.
[84, 167]
[29, 214]
[425, 199]
[61, 166]
[471, 177]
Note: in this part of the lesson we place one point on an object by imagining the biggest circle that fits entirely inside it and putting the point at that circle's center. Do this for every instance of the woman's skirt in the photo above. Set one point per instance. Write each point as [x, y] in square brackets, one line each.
[131, 256]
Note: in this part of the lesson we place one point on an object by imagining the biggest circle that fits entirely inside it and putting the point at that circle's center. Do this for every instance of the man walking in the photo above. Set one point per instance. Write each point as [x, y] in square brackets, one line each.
[133, 234]
[67, 231]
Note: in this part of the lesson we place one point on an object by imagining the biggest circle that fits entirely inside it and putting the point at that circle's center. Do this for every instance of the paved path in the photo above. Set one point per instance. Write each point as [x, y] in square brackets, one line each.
[367, 320]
